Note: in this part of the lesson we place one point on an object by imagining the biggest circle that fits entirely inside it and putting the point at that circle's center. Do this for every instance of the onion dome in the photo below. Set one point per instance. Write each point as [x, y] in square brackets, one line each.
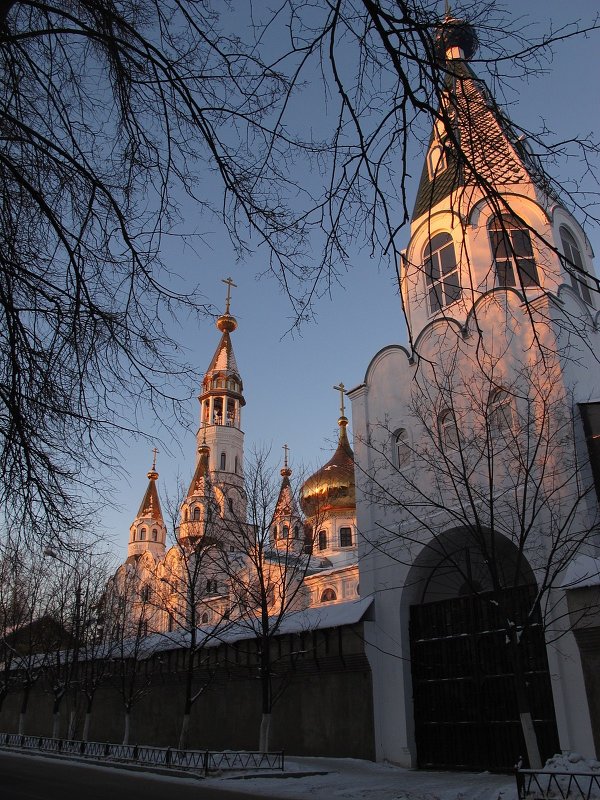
[456, 33]
[332, 487]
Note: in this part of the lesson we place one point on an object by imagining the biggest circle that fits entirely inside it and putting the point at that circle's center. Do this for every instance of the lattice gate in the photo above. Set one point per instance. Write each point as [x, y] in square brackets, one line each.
[464, 698]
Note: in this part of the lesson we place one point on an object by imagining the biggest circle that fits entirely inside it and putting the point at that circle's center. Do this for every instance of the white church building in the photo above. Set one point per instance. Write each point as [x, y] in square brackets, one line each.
[476, 505]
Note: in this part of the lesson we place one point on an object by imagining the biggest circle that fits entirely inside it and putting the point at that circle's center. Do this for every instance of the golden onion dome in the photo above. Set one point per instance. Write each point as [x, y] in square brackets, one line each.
[332, 487]
[227, 322]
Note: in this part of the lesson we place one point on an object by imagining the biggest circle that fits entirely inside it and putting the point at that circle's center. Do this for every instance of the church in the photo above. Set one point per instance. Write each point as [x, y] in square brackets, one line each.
[464, 518]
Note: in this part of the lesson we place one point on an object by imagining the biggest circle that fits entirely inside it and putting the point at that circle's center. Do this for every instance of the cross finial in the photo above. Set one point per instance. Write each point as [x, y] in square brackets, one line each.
[341, 389]
[155, 452]
[285, 458]
[229, 283]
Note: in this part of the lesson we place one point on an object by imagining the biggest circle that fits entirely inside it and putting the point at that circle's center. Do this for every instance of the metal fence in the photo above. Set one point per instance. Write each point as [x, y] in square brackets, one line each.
[546, 785]
[204, 761]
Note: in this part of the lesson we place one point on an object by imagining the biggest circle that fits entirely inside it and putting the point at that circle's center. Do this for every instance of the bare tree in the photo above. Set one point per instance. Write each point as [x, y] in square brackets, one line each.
[485, 484]
[130, 615]
[110, 108]
[193, 596]
[266, 570]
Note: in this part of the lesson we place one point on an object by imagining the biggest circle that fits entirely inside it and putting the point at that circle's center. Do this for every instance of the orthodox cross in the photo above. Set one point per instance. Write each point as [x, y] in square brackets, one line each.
[285, 460]
[229, 283]
[154, 451]
[341, 389]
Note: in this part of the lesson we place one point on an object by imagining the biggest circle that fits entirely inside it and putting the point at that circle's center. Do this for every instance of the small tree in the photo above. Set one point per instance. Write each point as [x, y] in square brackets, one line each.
[266, 578]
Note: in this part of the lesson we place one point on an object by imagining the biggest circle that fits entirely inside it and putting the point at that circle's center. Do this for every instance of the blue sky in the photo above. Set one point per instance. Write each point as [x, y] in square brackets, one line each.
[288, 379]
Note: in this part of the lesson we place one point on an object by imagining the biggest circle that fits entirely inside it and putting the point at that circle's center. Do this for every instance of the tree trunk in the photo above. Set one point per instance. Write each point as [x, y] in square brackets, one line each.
[265, 730]
[86, 726]
[126, 731]
[23, 712]
[56, 724]
[71, 728]
[21, 723]
[183, 736]
[527, 726]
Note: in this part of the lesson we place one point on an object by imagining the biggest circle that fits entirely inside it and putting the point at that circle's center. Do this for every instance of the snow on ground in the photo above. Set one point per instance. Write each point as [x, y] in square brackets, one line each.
[352, 779]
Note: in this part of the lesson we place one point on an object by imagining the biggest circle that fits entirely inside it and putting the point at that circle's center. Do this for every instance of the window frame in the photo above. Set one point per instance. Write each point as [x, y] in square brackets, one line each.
[399, 436]
[346, 531]
[322, 540]
[326, 595]
[577, 272]
[500, 411]
[439, 272]
[516, 270]
[444, 429]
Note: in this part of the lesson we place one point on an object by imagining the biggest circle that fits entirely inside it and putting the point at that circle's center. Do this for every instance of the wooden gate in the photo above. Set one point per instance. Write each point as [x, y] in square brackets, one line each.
[464, 696]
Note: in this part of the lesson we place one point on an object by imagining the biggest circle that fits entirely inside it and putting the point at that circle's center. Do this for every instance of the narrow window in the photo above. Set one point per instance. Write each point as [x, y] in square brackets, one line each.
[230, 504]
[322, 540]
[345, 537]
[500, 411]
[154, 535]
[574, 265]
[401, 448]
[235, 468]
[275, 532]
[204, 618]
[142, 534]
[513, 253]
[286, 532]
[441, 272]
[328, 596]
[223, 460]
[196, 514]
[447, 430]
[296, 532]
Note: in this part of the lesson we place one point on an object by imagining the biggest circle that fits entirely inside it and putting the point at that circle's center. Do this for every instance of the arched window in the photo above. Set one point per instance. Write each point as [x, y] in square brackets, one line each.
[145, 593]
[204, 618]
[196, 514]
[328, 596]
[235, 468]
[345, 537]
[275, 532]
[322, 540]
[573, 262]
[296, 532]
[186, 514]
[142, 534]
[441, 272]
[401, 453]
[286, 532]
[230, 504]
[133, 539]
[154, 535]
[223, 460]
[500, 414]
[512, 252]
[447, 430]
[436, 161]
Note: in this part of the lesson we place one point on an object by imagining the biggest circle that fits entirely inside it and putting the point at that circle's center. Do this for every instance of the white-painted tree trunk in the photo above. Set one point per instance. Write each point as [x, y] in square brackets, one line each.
[56, 725]
[265, 729]
[531, 743]
[126, 732]
[185, 724]
[86, 726]
[71, 728]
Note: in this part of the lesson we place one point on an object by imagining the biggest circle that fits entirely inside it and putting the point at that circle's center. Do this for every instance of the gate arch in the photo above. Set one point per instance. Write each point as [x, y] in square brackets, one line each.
[460, 595]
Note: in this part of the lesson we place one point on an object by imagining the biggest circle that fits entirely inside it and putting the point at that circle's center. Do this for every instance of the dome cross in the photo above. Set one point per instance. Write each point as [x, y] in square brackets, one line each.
[229, 283]
[342, 390]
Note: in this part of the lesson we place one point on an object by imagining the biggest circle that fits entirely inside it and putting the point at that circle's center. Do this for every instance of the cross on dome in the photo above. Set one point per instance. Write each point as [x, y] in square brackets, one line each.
[342, 390]
[229, 283]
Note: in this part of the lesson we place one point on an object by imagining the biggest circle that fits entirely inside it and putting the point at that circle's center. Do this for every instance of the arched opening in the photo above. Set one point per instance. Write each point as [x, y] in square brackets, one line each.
[328, 596]
[464, 596]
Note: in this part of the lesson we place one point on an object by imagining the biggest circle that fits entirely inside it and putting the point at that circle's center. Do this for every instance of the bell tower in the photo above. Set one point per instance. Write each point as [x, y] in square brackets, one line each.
[221, 402]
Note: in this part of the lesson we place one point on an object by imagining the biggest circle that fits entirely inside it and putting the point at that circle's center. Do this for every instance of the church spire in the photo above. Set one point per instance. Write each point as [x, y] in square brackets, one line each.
[148, 530]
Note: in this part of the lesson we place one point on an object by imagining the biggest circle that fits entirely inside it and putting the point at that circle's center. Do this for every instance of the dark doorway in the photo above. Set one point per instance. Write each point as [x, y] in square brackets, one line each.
[465, 705]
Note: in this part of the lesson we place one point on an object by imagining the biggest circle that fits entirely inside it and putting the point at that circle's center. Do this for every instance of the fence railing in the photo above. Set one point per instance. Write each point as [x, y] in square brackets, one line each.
[205, 761]
[549, 785]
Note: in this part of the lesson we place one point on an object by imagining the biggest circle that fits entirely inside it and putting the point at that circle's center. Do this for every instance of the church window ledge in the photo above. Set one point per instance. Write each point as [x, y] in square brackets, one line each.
[441, 272]
[573, 263]
[512, 252]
